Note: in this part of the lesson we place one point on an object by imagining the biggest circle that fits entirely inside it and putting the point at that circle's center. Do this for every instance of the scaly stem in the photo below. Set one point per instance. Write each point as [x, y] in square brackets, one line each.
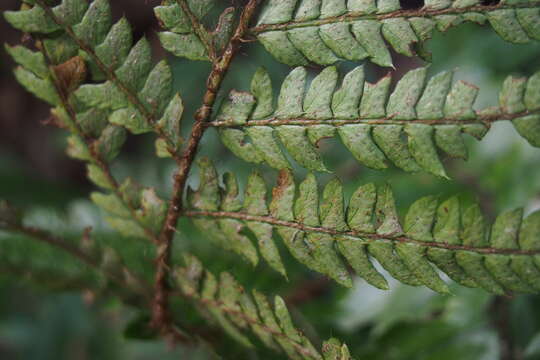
[161, 318]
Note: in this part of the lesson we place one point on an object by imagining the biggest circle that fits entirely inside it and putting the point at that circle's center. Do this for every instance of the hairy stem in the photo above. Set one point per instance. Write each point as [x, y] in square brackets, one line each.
[301, 121]
[364, 237]
[161, 317]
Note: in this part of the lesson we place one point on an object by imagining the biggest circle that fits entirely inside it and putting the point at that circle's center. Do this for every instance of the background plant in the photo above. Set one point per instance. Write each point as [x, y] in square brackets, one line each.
[135, 97]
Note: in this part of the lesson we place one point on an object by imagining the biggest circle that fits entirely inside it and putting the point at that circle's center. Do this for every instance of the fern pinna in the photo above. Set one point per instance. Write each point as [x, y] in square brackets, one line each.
[104, 86]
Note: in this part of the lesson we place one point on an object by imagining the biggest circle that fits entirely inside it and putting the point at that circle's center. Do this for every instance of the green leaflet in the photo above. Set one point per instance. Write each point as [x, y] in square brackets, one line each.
[131, 92]
[324, 234]
[236, 311]
[407, 126]
[297, 31]
[181, 37]
[132, 210]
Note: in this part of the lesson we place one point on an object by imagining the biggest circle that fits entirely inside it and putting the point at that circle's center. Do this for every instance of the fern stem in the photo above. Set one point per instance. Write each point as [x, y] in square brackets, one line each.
[365, 237]
[487, 120]
[355, 16]
[161, 317]
[111, 76]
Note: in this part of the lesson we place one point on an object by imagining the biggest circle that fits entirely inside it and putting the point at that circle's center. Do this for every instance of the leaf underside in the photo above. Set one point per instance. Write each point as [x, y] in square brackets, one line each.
[410, 126]
[297, 32]
[324, 235]
[237, 312]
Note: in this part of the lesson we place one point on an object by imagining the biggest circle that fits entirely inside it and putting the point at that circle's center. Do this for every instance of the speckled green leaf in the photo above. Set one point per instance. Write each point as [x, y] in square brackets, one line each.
[460, 100]
[265, 141]
[338, 37]
[319, 96]
[295, 140]
[173, 18]
[240, 243]
[511, 95]
[261, 88]
[420, 218]
[446, 261]
[33, 61]
[529, 235]
[346, 100]
[284, 319]
[387, 217]
[384, 253]
[234, 140]
[35, 20]
[292, 94]
[95, 24]
[158, 88]
[499, 267]
[504, 233]
[414, 257]
[111, 204]
[360, 215]
[529, 19]
[373, 103]
[43, 89]
[430, 106]
[532, 92]
[448, 220]
[400, 35]
[170, 121]
[276, 11]
[506, 24]
[184, 45]
[310, 44]
[355, 252]
[422, 148]
[237, 108]
[473, 265]
[474, 227]
[283, 194]
[390, 141]
[278, 44]
[110, 142]
[207, 195]
[98, 177]
[358, 139]
[449, 139]
[529, 127]
[368, 34]
[407, 92]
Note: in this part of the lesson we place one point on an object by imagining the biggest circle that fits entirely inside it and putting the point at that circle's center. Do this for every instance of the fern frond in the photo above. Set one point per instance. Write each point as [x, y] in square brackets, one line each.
[186, 36]
[36, 255]
[371, 121]
[223, 301]
[320, 233]
[297, 32]
[130, 93]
